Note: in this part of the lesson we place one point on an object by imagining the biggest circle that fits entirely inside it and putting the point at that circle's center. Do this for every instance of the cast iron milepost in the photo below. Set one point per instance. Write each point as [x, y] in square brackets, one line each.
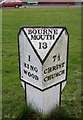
[43, 61]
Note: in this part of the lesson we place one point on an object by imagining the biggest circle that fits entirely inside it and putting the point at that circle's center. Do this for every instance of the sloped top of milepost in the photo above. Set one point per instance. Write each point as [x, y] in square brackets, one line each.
[42, 54]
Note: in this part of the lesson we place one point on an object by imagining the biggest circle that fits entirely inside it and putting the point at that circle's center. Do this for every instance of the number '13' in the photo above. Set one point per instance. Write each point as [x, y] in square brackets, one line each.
[42, 45]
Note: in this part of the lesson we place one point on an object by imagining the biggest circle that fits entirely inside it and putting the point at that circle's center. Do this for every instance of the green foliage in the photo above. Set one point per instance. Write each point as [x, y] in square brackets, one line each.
[13, 93]
[30, 114]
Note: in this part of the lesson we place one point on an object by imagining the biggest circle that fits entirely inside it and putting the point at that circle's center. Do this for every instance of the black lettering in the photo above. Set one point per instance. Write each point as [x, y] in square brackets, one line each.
[45, 71]
[56, 31]
[36, 77]
[51, 77]
[49, 69]
[24, 64]
[56, 74]
[34, 31]
[63, 64]
[48, 38]
[51, 37]
[46, 79]
[54, 58]
[29, 74]
[27, 66]
[25, 72]
[33, 37]
[42, 45]
[29, 31]
[58, 57]
[50, 31]
[39, 31]
[62, 72]
[42, 37]
[44, 31]
[31, 67]
[35, 69]
[29, 57]
[33, 76]
[55, 67]
[60, 65]
[38, 37]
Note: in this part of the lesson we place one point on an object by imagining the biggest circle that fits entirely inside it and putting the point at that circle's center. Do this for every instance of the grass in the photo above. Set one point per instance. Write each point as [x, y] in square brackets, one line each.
[0, 64]
[14, 105]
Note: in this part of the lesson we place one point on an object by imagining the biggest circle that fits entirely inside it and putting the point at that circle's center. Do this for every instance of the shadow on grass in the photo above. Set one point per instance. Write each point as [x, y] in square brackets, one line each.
[59, 113]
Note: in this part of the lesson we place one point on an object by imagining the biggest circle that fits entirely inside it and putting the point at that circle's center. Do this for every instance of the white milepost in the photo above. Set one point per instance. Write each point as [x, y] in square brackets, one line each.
[43, 61]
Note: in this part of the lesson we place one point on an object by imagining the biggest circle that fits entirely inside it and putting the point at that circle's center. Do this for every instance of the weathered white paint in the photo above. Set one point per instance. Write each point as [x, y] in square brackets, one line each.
[59, 49]
[43, 101]
[43, 52]
[26, 50]
[43, 68]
